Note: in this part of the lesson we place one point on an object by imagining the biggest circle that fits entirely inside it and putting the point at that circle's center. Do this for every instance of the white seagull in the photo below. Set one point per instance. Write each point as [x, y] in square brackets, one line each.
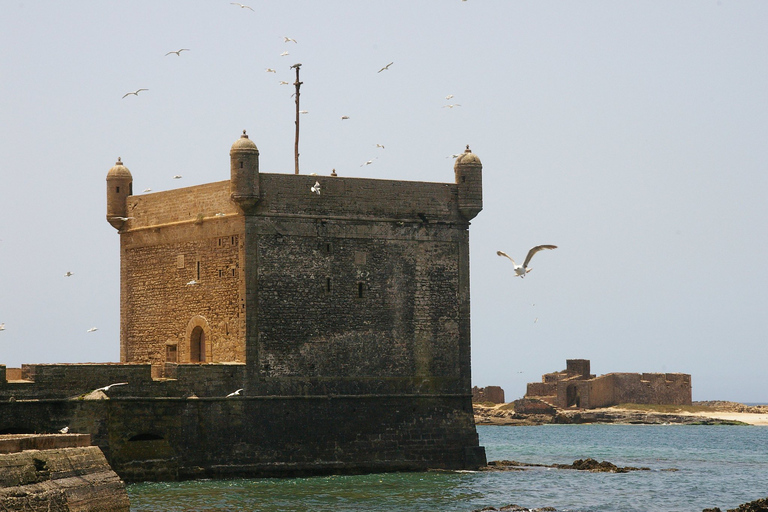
[316, 188]
[106, 388]
[385, 67]
[69, 274]
[177, 177]
[92, 329]
[147, 190]
[368, 162]
[284, 54]
[2, 326]
[270, 70]
[449, 96]
[380, 146]
[283, 82]
[344, 117]
[452, 105]
[124, 219]
[287, 39]
[303, 111]
[242, 6]
[521, 270]
[235, 393]
[178, 52]
[135, 93]
[64, 430]
[191, 283]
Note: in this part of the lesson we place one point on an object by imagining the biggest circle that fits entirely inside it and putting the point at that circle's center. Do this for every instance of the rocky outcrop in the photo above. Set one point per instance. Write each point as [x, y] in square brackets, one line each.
[590, 465]
[57, 473]
[760, 505]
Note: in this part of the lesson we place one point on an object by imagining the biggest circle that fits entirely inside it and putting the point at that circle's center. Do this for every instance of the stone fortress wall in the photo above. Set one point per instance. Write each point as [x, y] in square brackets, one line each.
[344, 318]
[576, 387]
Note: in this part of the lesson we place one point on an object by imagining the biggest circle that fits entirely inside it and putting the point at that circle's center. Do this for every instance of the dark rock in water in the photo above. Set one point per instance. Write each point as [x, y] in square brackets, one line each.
[580, 465]
[516, 508]
[760, 505]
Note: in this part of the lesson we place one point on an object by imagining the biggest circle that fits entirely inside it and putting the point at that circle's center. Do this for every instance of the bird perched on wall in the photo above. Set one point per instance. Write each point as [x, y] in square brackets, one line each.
[64, 430]
[315, 188]
[521, 270]
[235, 393]
[135, 93]
[106, 388]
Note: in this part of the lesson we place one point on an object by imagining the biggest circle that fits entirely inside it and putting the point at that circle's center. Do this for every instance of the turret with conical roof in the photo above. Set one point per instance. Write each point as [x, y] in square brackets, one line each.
[119, 187]
[244, 172]
[469, 178]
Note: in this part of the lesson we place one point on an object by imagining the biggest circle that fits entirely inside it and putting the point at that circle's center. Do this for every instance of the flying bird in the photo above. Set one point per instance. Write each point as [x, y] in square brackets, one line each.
[380, 146]
[285, 53]
[69, 274]
[135, 93]
[449, 96]
[2, 326]
[385, 67]
[177, 177]
[316, 188]
[235, 393]
[345, 117]
[147, 190]
[521, 270]
[457, 155]
[452, 105]
[124, 219]
[283, 82]
[288, 39]
[303, 111]
[178, 52]
[368, 162]
[106, 388]
[191, 283]
[92, 329]
[270, 70]
[242, 6]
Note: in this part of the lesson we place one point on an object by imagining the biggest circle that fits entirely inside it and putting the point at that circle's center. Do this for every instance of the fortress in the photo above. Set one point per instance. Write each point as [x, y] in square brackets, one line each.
[575, 387]
[343, 316]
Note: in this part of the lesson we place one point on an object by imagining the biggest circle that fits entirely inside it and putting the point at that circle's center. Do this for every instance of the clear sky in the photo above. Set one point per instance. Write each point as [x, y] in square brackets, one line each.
[631, 134]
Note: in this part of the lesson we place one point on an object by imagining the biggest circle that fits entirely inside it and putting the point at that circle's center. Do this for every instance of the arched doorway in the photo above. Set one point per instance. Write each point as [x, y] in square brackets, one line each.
[197, 345]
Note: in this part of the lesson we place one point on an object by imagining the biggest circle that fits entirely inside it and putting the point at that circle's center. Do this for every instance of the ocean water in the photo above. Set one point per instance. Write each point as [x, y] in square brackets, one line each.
[692, 468]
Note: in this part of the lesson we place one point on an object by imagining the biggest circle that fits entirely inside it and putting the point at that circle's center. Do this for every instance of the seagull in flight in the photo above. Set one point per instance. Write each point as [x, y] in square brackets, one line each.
[178, 52]
[316, 188]
[449, 96]
[147, 190]
[283, 82]
[303, 111]
[385, 67]
[69, 274]
[124, 219]
[135, 93]
[380, 146]
[177, 177]
[344, 117]
[368, 162]
[521, 270]
[235, 393]
[92, 329]
[192, 283]
[285, 53]
[106, 388]
[287, 39]
[270, 70]
[2, 326]
[242, 6]
[452, 105]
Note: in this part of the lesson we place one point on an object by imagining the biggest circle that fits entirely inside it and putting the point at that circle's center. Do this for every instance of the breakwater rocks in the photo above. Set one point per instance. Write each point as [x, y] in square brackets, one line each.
[527, 411]
[580, 465]
[57, 473]
[760, 505]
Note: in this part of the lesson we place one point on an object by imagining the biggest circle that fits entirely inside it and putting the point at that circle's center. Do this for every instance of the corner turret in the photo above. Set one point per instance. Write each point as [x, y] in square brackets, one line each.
[469, 178]
[244, 172]
[119, 187]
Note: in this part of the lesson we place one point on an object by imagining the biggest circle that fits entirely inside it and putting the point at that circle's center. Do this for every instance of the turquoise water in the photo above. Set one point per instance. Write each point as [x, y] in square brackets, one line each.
[720, 466]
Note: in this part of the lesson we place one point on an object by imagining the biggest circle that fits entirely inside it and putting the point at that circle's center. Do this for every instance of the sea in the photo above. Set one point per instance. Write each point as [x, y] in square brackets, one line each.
[692, 467]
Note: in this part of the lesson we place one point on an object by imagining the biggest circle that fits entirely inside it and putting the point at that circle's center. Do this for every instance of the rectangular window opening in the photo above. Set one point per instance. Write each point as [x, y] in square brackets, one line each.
[198, 269]
[360, 288]
[327, 285]
[117, 189]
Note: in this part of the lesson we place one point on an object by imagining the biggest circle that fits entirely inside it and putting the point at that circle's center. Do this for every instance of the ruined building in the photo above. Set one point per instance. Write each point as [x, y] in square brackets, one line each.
[343, 315]
[575, 387]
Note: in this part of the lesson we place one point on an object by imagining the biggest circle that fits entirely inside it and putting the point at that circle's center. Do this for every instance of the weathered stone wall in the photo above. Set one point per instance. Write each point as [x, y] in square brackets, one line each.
[176, 438]
[176, 237]
[59, 474]
[492, 394]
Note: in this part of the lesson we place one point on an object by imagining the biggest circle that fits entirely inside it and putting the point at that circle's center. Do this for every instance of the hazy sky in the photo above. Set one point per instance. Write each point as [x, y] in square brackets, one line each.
[631, 134]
